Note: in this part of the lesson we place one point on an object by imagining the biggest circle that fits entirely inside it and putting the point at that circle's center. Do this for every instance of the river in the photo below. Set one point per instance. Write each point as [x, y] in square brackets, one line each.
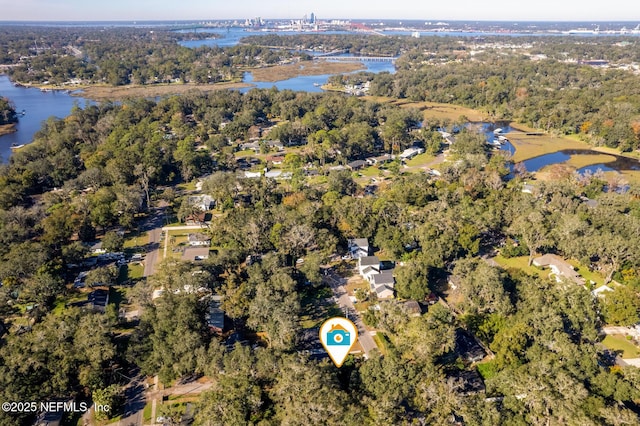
[535, 164]
[38, 106]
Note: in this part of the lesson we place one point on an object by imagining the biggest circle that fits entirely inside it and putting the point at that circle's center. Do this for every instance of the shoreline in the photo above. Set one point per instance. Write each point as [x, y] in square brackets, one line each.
[7, 129]
[98, 92]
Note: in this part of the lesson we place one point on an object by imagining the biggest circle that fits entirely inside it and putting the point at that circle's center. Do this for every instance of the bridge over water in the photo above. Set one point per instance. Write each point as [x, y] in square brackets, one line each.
[361, 58]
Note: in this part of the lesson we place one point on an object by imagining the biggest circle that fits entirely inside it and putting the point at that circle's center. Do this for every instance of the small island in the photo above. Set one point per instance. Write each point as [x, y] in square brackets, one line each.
[8, 117]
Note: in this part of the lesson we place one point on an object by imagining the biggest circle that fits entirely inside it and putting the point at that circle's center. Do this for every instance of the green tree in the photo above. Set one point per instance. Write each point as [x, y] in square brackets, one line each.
[112, 241]
[620, 306]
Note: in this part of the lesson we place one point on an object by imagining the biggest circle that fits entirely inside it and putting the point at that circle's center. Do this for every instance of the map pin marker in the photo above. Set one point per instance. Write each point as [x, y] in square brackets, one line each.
[338, 335]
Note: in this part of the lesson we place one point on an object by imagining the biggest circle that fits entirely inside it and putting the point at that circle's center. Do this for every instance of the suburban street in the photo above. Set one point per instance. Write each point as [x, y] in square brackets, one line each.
[154, 227]
[336, 283]
[135, 402]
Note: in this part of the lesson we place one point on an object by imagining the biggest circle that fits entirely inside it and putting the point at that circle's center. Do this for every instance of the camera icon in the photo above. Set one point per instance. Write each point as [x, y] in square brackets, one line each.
[338, 336]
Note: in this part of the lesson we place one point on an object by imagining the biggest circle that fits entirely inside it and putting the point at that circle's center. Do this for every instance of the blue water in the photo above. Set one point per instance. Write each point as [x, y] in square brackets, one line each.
[232, 36]
[38, 106]
[618, 164]
[311, 83]
[302, 83]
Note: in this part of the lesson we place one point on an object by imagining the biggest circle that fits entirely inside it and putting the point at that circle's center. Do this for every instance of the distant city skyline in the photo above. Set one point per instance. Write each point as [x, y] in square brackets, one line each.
[471, 10]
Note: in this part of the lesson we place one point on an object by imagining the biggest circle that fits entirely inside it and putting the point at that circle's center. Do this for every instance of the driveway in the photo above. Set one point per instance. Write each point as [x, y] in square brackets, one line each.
[337, 284]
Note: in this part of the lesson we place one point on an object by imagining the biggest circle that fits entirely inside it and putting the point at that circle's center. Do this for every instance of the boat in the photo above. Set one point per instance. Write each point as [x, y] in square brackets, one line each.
[498, 131]
[15, 147]
[636, 30]
[317, 84]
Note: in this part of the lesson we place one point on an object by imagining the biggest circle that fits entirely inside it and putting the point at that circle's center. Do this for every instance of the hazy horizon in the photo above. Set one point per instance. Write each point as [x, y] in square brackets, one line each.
[204, 10]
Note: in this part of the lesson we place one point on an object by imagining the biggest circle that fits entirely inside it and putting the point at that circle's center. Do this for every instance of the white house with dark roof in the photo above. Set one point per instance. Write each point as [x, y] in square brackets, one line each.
[383, 284]
[359, 247]
[371, 262]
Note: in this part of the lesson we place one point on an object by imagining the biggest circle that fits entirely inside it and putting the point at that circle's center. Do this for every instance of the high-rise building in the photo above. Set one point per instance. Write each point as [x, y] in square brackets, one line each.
[312, 18]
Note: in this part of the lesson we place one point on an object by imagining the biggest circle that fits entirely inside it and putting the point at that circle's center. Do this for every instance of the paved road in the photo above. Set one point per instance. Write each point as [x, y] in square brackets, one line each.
[620, 330]
[134, 407]
[154, 226]
[336, 283]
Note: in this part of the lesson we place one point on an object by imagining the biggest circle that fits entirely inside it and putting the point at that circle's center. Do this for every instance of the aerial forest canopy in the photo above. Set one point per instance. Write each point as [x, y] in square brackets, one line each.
[96, 172]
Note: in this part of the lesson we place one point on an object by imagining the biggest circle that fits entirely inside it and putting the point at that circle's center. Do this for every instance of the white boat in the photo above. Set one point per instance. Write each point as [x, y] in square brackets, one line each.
[498, 131]
[636, 30]
[15, 147]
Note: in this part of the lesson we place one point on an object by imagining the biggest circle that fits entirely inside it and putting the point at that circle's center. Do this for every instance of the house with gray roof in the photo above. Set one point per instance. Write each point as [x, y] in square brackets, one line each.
[560, 268]
[194, 254]
[368, 261]
[359, 247]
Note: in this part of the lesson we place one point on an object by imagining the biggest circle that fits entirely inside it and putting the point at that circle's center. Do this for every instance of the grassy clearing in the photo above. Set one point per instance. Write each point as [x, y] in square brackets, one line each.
[61, 303]
[136, 240]
[371, 171]
[304, 68]
[317, 180]
[487, 369]
[130, 271]
[617, 342]
[528, 146]
[246, 153]
[188, 186]
[520, 262]
[614, 151]
[437, 111]
[151, 91]
[587, 274]
[579, 161]
[631, 176]
[146, 413]
[356, 283]
[382, 342]
[420, 160]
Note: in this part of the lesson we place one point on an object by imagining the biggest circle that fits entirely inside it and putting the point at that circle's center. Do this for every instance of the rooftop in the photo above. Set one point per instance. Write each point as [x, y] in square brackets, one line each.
[193, 254]
[369, 261]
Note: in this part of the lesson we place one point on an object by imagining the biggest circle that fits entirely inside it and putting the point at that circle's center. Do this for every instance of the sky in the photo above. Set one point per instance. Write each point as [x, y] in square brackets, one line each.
[428, 10]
